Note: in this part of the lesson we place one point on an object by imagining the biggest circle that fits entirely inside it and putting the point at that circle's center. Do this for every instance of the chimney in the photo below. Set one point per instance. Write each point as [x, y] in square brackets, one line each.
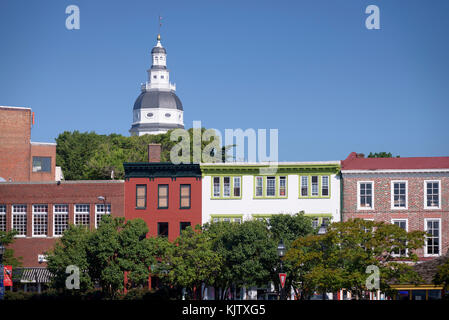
[154, 152]
[360, 155]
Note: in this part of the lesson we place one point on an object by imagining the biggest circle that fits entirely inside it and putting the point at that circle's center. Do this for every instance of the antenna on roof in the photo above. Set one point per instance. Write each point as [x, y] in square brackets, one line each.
[159, 28]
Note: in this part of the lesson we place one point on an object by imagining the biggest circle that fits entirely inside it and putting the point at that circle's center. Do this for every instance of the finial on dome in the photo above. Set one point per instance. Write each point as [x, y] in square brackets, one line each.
[158, 37]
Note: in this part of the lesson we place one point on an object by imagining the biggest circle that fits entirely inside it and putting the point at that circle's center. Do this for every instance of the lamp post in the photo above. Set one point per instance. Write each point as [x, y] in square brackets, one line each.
[322, 231]
[2, 287]
[281, 254]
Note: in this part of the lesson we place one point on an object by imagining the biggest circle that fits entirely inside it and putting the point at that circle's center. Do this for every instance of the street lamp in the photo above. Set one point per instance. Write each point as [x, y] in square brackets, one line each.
[2, 287]
[281, 254]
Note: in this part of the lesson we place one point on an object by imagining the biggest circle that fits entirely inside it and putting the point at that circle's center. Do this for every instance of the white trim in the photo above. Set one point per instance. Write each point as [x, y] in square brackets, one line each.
[32, 220]
[406, 229]
[394, 170]
[43, 143]
[439, 237]
[392, 182]
[101, 213]
[59, 213]
[358, 196]
[425, 195]
[10, 107]
[19, 213]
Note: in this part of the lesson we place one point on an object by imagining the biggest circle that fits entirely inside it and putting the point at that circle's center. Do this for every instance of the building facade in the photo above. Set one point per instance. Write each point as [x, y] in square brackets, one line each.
[412, 193]
[166, 196]
[20, 159]
[244, 191]
[158, 108]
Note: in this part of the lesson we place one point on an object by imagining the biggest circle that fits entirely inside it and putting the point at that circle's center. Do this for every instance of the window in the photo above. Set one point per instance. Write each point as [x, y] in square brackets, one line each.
[216, 186]
[185, 196]
[19, 219]
[399, 195]
[324, 186]
[403, 225]
[314, 186]
[41, 164]
[82, 214]
[432, 194]
[162, 229]
[141, 196]
[60, 219]
[226, 186]
[432, 227]
[100, 211]
[40, 219]
[3, 217]
[238, 220]
[162, 76]
[315, 222]
[282, 186]
[155, 77]
[271, 186]
[304, 186]
[229, 219]
[183, 226]
[259, 186]
[236, 187]
[162, 196]
[365, 198]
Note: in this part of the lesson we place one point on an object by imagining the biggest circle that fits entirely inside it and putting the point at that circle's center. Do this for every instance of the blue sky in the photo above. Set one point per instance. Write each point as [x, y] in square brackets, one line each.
[308, 68]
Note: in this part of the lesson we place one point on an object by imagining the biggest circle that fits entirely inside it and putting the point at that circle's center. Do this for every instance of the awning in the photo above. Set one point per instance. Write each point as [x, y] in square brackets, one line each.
[31, 275]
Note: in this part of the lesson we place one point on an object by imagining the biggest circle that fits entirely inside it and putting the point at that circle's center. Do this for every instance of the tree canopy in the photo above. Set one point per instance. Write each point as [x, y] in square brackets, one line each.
[9, 259]
[381, 155]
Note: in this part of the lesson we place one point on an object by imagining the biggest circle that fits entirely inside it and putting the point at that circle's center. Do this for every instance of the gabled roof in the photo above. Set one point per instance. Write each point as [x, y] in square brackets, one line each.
[355, 162]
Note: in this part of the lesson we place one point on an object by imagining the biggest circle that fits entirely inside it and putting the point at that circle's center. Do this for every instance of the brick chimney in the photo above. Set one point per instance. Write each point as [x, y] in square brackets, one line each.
[154, 152]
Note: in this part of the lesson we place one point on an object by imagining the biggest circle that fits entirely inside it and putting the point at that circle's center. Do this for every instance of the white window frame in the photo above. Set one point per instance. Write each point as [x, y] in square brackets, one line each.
[213, 187]
[301, 185]
[328, 185]
[406, 229]
[59, 213]
[3, 215]
[286, 187]
[261, 178]
[439, 195]
[33, 214]
[392, 194]
[317, 186]
[81, 213]
[228, 188]
[266, 186]
[20, 214]
[234, 179]
[439, 237]
[372, 196]
[101, 213]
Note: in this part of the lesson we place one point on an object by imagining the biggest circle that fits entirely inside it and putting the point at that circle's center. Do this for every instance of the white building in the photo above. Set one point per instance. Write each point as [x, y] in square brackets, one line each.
[238, 191]
[157, 109]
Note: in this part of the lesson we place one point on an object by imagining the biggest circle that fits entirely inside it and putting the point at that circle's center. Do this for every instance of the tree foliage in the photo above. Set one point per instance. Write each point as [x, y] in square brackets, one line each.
[339, 259]
[442, 275]
[90, 156]
[381, 155]
[9, 259]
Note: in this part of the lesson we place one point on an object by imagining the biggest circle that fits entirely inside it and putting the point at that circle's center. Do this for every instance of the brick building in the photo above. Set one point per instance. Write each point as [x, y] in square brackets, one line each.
[20, 159]
[410, 192]
[37, 206]
[166, 196]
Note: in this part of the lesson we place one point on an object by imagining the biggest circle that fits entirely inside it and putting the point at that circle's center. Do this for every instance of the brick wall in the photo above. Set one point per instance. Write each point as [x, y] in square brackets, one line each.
[15, 150]
[43, 150]
[71, 193]
[415, 213]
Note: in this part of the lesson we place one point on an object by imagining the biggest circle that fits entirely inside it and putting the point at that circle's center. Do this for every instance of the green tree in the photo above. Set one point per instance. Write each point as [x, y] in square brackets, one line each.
[248, 254]
[339, 259]
[9, 259]
[191, 261]
[93, 157]
[381, 155]
[442, 275]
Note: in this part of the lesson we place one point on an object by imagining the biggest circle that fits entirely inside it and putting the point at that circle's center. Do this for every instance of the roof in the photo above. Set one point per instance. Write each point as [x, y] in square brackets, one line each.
[353, 162]
[158, 50]
[428, 269]
[161, 169]
[158, 99]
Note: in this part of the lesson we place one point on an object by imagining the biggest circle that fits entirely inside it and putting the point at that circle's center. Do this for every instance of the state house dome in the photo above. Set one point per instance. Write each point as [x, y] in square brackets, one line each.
[158, 99]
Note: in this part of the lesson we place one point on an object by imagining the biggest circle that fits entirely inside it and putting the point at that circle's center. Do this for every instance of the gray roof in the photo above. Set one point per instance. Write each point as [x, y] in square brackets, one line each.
[158, 50]
[158, 99]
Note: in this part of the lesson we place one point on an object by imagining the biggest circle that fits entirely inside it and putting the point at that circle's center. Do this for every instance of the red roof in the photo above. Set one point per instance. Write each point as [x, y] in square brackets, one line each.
[352, 162]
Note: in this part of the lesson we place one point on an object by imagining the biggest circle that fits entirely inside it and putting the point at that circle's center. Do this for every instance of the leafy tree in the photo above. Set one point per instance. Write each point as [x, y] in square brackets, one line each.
[248, 253]
[381, 155]
[191, 261]
[92, 156]
[339, 259]
[7, 238]
[442, 275]
[70, 249]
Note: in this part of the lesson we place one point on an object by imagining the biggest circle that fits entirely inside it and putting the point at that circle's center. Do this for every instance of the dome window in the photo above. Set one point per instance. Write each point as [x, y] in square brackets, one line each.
[168, 115]
[149, 115]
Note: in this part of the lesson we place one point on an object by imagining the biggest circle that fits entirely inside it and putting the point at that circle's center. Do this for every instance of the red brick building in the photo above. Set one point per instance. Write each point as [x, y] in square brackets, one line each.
[21, 159]
[410, 192]
[166, 196]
